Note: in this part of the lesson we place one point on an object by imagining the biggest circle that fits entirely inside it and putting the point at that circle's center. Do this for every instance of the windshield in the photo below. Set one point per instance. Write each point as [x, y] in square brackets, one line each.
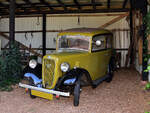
[74, 42]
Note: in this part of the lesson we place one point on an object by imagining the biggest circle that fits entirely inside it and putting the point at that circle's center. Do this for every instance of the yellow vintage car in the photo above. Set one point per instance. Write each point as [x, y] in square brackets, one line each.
[83, 57]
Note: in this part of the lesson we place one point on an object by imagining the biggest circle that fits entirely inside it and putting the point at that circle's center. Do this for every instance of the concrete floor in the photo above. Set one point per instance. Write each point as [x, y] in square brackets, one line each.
[124, 94]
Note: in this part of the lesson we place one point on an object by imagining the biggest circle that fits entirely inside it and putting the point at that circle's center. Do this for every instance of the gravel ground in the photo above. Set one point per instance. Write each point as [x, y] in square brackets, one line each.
[124, 94]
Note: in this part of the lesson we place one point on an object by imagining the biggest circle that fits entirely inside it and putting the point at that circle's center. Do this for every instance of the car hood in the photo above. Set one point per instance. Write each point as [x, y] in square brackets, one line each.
[66, 53]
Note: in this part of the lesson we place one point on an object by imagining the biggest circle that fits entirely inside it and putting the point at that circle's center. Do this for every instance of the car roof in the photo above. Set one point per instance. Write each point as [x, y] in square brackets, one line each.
[84, 31]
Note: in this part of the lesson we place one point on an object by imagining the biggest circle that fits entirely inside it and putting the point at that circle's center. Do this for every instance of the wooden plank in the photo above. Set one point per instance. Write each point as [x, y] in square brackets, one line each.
[12, 8]
[33, 31]
[67, 15]
[38, 31]
[124, 3]
[140, 50]
[114, 20]
[44, 34]
[34, 12]
[40, 49]
[22, 45]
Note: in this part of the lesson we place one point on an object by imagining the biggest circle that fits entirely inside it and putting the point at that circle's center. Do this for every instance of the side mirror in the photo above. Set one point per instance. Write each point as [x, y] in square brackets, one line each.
[98, 42]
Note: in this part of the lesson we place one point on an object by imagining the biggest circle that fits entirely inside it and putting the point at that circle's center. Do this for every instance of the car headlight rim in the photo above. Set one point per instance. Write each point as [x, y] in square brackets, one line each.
[64, 67]
[32, 64]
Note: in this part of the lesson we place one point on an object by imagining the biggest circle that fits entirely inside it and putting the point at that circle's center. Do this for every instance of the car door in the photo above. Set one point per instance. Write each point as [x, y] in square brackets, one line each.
[100, 56]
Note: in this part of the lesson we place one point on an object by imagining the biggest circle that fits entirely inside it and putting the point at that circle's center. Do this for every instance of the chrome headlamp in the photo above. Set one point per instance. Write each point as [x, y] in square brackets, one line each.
[32, 63]
[64, 67]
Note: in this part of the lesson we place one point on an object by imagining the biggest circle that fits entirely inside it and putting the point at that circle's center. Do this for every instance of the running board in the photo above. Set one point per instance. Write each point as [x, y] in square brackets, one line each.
[45, 90]
[98, 81]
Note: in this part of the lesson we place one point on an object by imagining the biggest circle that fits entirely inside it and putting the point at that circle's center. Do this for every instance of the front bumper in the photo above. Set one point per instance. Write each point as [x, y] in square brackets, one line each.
[38, 89]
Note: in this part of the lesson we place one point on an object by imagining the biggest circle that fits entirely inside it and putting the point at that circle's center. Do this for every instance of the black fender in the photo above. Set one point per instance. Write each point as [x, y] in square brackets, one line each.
[76, 72]
[37, 71]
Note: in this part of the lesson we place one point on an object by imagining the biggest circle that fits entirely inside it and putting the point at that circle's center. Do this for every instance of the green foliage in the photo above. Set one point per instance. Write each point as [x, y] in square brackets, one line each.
[10, 67]
[146, 56]
[147, 87]
[147, 18]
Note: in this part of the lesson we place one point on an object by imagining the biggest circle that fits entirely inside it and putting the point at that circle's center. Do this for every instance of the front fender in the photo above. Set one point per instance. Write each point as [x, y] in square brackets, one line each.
[35, 79]
[72, 76]
[37, 71]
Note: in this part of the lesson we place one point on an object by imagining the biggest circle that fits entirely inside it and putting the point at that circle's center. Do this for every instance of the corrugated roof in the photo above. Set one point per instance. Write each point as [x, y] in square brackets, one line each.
[24, 7]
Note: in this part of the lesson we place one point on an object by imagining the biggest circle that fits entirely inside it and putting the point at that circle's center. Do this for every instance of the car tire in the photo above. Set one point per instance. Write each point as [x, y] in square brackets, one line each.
[110, 75]
[32, 84]
[77, 93]
[109, 79]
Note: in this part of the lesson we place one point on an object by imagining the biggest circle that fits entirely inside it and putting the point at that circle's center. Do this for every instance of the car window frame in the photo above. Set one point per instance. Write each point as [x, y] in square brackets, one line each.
[105, 42]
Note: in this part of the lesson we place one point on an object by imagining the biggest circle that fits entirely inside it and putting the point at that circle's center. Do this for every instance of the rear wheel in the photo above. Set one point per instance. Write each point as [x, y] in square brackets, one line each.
[77, 93]
[110, 74]
[32, 84]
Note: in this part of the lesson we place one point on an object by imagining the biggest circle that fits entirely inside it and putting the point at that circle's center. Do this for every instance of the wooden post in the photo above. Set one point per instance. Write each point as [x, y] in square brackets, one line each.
[44, 34]
[144, 62]
[12, 20]
[131, 31]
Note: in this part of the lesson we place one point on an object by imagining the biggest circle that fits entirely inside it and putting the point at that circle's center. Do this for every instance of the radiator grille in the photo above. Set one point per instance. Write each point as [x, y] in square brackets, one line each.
[49, 68]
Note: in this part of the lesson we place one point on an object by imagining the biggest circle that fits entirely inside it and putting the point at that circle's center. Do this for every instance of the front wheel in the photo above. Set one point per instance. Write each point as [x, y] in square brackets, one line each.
[77, 93]
[32, 84]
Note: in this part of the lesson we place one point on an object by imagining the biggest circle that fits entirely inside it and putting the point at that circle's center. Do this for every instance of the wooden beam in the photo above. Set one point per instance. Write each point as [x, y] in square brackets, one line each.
[67, 15]
[131, 32]
[28, 5]
[12, 20]
[124, 4]
[77, 3]
[108, 4]
[22, 45]
[32, 5]
[71, 11]
[47, 4]
[38, 31]
[4, 5]
[32, 48]
[114, 20]
[33, 31]
[44, 34]
[62, 4]
[93, 4]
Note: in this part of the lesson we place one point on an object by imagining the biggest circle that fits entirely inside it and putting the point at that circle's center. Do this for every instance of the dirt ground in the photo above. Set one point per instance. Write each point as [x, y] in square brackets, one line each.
[124, 94]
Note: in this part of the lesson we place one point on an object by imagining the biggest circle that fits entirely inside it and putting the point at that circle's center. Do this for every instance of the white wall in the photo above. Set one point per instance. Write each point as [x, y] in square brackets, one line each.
[62, 23]
[54, 23]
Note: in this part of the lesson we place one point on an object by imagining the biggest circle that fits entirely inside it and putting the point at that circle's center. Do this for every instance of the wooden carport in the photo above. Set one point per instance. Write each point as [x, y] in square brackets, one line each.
[14, 8]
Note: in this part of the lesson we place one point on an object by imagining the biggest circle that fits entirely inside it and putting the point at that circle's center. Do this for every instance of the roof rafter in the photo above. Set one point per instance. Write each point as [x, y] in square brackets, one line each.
[108, 3]
[1, 4]
[47, 4]
[124, 3]
[69, 11]
[77, 3]
[61, 7]
[62, 4]
[30, 3]
[93, 4]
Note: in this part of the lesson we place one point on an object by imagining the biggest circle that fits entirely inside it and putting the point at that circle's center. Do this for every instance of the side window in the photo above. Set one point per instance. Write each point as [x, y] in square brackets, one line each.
[102, 39]
[109, 41]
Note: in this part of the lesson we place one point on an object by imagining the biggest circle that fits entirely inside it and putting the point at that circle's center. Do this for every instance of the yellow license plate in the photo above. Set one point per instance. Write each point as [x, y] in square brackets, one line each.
[42, 94]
